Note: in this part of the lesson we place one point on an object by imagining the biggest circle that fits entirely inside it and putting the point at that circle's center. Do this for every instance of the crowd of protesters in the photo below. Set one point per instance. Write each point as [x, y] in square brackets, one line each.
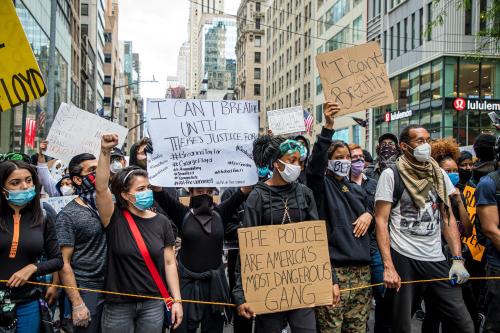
[421, 211]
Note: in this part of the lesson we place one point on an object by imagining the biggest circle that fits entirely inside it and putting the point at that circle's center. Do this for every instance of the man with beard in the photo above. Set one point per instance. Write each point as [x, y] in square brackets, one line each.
[387, 151]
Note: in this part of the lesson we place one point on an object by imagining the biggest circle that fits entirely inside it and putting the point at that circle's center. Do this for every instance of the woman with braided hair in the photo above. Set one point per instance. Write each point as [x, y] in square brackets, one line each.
[277, 199]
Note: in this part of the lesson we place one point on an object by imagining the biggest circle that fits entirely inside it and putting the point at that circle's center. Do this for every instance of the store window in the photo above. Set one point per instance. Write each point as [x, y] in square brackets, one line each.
[468, 79]
[403, 91]
[357, 29]
[319, 113]
[319, 87]
[356, 134]
[450, 77]
[436, 83]
[341, 134]
[425, 83]
[414, 97]
[490, 75]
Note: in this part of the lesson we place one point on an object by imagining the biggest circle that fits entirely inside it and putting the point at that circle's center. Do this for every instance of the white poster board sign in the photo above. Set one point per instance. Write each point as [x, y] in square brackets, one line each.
[58, 203]
[75, 131]
[201, 143]
[286, 121]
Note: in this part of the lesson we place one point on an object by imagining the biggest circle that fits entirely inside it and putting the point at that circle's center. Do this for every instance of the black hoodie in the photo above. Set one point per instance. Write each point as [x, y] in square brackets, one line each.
[265, 206]
[340, 203]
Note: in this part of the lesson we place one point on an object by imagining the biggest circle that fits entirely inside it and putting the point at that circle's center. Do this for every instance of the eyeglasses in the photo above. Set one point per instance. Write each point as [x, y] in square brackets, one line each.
[388, 144]
[422, 141]
[291, 146]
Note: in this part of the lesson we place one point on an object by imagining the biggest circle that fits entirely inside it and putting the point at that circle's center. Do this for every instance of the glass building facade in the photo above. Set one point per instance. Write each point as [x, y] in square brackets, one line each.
[38, 37]
[219, 57]
[425, 95]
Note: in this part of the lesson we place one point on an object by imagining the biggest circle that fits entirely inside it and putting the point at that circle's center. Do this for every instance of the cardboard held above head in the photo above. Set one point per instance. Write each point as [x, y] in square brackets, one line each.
[355, 78]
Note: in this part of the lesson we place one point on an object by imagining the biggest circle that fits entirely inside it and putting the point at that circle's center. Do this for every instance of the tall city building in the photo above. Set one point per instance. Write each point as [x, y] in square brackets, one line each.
[196, 11]
[75, 96]
[35, 19]
[289, 54]
[183, 70]
[338, 24]
[250, 60]
[434, 80]
[112, 62]
[217, 58]
[92, 20]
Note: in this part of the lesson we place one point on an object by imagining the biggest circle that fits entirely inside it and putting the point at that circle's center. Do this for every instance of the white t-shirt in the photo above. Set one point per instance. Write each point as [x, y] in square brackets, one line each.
[414, 232]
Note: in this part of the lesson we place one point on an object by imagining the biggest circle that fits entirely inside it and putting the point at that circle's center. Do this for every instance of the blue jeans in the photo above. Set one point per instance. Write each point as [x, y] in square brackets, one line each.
[382, 308]
[130, 317]
[28, 317]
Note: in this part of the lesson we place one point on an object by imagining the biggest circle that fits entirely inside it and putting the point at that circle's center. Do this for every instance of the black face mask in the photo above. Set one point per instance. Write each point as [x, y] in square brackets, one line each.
[464, 175]
[201, 202]
[202, 207]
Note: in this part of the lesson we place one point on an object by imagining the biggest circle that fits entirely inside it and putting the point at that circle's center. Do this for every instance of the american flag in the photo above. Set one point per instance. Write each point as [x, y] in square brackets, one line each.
[41, 116]
[308, 121]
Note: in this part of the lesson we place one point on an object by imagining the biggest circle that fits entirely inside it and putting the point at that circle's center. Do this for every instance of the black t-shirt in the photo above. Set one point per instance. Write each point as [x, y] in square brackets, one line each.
[126, 269]
[34, 240]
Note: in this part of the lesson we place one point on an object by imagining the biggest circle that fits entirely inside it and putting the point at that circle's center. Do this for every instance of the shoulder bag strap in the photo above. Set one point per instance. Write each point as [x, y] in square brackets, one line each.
[147, 259]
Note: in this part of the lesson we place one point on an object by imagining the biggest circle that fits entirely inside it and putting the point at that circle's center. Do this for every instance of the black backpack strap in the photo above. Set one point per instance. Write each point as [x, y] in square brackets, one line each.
[399, 187]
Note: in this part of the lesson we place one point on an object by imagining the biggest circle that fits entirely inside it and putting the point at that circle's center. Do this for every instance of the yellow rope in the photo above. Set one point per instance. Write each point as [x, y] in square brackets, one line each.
[229, 304]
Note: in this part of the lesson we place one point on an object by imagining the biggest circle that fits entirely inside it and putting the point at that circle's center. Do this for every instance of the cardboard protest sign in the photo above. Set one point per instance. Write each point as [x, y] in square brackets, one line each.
[75, 131]
[355, 77]
[201, 143]
[20, 77]
[285, 266]
[476, 249]
[286, 121]
[58, 203]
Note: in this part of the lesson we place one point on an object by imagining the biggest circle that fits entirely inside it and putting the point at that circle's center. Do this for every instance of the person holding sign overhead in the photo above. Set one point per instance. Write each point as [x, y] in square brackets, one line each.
[278, 200]
[140, 250]
[202, 226]
[345, 208]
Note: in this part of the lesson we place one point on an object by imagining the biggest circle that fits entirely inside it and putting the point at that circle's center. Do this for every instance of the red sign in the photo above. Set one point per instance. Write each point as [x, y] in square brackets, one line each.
[387, 117]
[459, 104]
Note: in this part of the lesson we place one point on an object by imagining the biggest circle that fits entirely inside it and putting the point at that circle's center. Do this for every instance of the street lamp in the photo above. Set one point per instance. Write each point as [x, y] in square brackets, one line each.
[122, 86]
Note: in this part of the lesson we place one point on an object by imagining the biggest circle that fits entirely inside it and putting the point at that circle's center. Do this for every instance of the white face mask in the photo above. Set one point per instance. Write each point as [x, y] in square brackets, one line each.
[291, 172]
[67, 190]
[340, 168]
[115, 166]
[422, 153]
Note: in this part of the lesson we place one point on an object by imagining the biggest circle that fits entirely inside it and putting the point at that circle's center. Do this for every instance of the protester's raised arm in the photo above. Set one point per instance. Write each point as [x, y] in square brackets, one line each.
[104, 199]
[318, 161]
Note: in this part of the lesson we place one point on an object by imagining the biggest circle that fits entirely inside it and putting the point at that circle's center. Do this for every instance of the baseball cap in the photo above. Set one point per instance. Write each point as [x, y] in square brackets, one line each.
[117, 152]
[389, 136]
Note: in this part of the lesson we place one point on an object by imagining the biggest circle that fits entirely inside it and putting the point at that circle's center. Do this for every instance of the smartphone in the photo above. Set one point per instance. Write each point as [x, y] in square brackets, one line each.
[494, 118]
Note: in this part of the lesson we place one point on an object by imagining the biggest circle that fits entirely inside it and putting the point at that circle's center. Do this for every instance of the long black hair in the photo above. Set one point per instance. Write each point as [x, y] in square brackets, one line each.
[6, 169]
[266, 150]
[123, 180]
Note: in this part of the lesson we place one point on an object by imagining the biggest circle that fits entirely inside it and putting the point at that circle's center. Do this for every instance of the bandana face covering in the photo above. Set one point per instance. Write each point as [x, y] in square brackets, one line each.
[86, 191]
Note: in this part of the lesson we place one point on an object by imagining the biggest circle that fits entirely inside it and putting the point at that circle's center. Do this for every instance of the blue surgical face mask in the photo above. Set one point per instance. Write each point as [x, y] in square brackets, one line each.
[454, 177]
[21, 197]
[143, 200]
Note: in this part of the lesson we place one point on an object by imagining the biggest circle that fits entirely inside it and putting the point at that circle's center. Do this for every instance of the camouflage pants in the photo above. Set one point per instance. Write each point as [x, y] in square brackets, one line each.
[351, 314]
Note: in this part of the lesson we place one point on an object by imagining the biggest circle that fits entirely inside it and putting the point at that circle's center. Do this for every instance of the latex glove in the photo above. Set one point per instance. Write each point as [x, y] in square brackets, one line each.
[459, 272]
[81, 315]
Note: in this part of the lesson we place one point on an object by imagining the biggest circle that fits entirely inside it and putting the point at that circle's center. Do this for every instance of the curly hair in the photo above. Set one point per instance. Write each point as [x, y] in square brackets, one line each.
[446, 148]
[266, 150]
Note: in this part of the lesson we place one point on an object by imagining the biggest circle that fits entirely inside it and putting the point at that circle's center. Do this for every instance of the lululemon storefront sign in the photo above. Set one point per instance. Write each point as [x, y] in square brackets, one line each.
[388, 117]
[461, 104]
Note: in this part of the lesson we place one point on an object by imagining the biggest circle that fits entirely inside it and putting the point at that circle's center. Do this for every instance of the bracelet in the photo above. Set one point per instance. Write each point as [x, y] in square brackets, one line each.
[458, 258]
